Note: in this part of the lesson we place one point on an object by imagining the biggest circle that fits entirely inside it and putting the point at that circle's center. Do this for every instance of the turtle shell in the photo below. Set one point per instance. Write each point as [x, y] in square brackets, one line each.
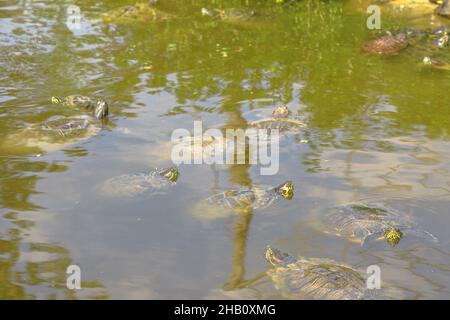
[79, 101]
[237, 14]
[243, 199]
[361, 222]
[139, 12]
[55, 134]
[387, 44]
[283, 125]
[318, 279]
[132, 185]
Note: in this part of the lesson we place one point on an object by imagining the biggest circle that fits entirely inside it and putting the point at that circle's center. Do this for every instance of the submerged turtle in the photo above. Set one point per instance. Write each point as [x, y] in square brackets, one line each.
[131, 185]
[281, 121]
[244, 200]
[314, 278]
[436, 64]
[59, 132]
[139, 12]
[363, 223]
[230, 14]
[76, 101]
[391, 43]
[444, 9]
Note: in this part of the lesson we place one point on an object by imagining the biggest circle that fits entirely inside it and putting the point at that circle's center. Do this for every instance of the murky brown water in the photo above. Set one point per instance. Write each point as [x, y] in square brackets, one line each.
[377, 129]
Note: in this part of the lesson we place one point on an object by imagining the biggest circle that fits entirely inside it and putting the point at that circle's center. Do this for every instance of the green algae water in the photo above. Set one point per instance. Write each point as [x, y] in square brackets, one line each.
[377, 129]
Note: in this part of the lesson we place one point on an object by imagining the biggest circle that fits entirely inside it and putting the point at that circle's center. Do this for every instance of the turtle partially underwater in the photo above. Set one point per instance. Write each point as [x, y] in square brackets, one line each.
[436, 64]
[76, 101]
[391, 43]
[314, 278]
[363, 223]
[440, 37]
[245, 200]
[139, 12]
[156, 181]
[232, 15]
[281, 120]
[59, 131]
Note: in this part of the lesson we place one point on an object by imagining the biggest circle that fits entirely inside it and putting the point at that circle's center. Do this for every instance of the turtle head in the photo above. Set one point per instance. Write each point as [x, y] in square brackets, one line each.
[442, 41]
[393, 236]
[171, 174]
[277, 257]
[281, 112]
[426, 61]
[56, 100]
[101, 109]
[286, 190]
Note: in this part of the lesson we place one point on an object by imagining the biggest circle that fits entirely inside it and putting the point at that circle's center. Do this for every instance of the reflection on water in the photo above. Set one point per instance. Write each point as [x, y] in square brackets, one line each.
[377, 128]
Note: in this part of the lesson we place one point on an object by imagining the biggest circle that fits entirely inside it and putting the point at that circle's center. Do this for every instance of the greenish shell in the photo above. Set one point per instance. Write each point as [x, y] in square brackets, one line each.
[55, 134]
[283, 125]
[139, 12]
[79, 101]
[244, 199]
[316, 278]
[357, 221]
[139, 184]
[237, 14]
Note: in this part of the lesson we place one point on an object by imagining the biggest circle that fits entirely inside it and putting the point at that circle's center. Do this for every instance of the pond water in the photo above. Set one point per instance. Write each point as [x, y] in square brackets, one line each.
[377, 130]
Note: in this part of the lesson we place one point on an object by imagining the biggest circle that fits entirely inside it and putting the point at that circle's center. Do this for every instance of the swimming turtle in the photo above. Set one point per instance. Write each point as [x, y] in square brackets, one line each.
[59, 132]
[391, 43]
[314, 278]
[233, 15]
[363, 223]
[443, 9]
[244, 200]
[139, 12]
[281, 120]
[436, 64]
[75, 101]
[156, 181]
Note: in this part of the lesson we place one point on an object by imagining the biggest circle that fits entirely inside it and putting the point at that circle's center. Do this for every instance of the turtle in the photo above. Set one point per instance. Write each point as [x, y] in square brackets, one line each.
[314, 278]
[139, 12]
[436, 64]
[233, 15]
[157, 181]
[366, 222]
[247, 199]
[391, 43]
[439, 36]
[75, 101]
[443, 9]
[281, 121]
[60, 131]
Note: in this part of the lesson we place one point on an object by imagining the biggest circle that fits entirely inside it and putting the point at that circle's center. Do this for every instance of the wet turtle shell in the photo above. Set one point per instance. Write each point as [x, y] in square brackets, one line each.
[314, 278]
[156, 181]
[436, 64]
[251, 199]
[281, 120]
[387, 44]
[139, 12]
[76, 101]
[59, 132]
[362, 223]
[233, 15]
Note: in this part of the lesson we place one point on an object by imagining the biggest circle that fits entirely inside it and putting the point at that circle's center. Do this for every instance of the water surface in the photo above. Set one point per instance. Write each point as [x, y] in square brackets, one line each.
[377, 129]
